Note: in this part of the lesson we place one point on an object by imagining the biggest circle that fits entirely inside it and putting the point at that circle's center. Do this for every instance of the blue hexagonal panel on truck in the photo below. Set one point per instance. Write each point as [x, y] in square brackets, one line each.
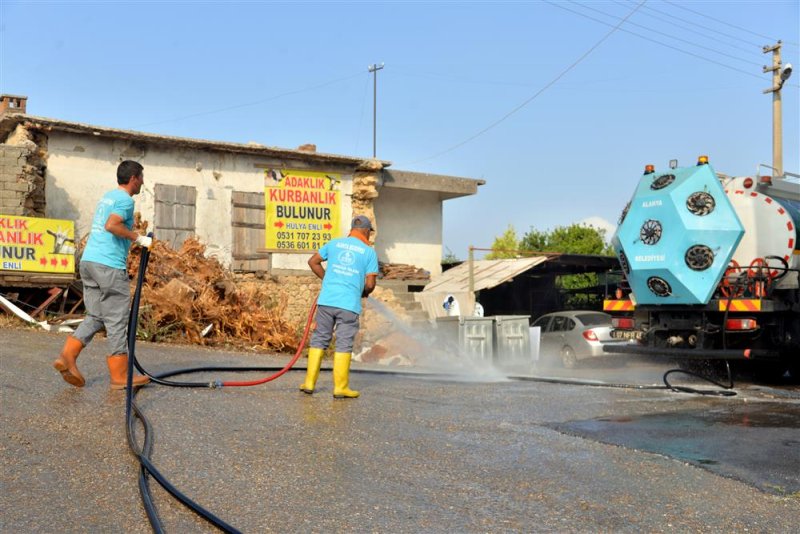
[677, 236]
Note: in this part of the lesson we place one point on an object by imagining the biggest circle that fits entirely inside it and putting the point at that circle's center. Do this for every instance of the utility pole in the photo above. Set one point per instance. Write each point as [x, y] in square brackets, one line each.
[779, 76]
[374, 68]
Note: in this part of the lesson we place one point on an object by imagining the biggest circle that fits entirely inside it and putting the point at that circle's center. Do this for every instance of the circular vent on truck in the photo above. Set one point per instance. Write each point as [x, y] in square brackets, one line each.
[662, 181]
[659, 286]
[650, 232]
[700, 203]
[699, 257]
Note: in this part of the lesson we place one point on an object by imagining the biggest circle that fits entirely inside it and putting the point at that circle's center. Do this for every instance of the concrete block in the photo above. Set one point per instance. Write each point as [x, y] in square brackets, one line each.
[11, 154]
[21, 187]
[5, 193]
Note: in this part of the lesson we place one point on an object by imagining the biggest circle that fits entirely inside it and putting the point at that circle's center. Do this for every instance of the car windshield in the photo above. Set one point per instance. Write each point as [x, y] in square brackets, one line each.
[594, 319]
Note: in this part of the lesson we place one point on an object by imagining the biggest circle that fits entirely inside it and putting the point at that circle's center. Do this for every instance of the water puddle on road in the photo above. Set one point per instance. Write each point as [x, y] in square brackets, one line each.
[758, 444]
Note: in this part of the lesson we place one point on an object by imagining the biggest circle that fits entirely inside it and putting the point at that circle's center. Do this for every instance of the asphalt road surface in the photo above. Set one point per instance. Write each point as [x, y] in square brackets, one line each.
[467, 453]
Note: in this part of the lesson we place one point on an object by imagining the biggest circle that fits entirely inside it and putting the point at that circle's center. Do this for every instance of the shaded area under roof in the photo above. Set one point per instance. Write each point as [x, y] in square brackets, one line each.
[491, 273]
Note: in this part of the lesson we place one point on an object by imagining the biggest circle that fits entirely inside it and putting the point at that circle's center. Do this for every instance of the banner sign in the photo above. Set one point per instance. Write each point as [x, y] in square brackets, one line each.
[302, 209]
[35, 245]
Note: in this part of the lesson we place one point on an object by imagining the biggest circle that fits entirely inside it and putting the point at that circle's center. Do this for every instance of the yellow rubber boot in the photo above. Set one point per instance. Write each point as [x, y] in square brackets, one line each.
[312, 370]
[118, 369]
[341, 376]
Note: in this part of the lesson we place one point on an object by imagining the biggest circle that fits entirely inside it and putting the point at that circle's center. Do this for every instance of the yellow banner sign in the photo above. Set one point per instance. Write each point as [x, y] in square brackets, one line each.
[302, 209]
[35, 245]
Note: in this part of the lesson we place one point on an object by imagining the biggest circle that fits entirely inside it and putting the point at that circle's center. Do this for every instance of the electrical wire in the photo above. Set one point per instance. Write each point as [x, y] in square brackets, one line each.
[648, 7]
[459, 79]
[254, 103]
[725, 23]
[673, 37]
[554, 4]
[539, 92]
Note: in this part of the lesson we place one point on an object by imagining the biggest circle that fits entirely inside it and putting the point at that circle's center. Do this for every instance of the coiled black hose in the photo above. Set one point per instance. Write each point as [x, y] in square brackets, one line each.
[143, 455]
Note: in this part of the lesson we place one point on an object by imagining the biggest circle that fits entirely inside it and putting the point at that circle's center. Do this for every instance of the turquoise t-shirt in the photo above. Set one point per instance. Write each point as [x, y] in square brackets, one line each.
[103, 246]
[349, 262]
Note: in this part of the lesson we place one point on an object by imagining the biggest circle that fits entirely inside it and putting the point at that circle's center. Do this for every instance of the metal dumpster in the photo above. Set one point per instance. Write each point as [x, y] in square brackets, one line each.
[476, 338]
[512, 338]
[467, 337]
[447, 333]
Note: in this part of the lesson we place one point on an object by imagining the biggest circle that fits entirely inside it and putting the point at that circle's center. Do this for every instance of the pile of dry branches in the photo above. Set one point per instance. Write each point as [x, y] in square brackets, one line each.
[188, 297]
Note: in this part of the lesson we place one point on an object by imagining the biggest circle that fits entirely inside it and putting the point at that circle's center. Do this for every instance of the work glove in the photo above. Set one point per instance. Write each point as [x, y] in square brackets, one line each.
[144, 241]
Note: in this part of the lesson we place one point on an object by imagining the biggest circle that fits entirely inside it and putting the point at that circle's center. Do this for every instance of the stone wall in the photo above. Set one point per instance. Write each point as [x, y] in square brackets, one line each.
[297, 291]
[22, 169]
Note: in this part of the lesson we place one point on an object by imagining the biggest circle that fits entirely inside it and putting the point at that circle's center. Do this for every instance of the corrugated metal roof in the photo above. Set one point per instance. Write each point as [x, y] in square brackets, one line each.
[487, 274]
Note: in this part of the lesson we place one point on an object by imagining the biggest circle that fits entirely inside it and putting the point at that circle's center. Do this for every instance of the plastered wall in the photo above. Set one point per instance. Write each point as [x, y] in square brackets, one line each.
[410, 228]
[81, 169]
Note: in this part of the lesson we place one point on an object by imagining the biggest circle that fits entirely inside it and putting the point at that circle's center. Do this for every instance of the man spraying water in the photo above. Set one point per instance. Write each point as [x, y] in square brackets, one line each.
[351, 275]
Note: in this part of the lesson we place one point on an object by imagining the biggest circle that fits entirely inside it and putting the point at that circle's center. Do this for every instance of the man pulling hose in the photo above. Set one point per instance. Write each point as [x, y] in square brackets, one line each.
[106, 288]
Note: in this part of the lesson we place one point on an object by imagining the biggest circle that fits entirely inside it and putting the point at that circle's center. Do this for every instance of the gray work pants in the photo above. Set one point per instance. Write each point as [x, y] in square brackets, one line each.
[330, 320]
[107, 296]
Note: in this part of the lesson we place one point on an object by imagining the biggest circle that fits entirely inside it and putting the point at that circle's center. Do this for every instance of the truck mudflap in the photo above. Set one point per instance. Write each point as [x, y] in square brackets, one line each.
[692, 354]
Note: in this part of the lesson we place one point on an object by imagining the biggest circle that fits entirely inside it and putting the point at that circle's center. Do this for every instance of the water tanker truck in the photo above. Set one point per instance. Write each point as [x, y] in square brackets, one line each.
[712, 265]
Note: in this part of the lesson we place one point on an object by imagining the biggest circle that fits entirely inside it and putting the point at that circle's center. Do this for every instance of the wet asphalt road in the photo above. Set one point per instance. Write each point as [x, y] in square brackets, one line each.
[411, 455]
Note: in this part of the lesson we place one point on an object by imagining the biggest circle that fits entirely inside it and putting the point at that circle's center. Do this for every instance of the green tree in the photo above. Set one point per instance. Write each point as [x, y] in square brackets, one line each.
[578, 239]
[534, 240]
[572, 239]
[505, 246]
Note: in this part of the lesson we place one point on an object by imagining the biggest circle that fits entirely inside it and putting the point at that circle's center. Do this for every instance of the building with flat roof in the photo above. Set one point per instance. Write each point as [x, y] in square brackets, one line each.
[256, 208]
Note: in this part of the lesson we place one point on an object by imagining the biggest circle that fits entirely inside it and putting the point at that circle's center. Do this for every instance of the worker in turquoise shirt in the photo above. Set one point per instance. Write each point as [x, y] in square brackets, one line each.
[351, 274]
[106, 287]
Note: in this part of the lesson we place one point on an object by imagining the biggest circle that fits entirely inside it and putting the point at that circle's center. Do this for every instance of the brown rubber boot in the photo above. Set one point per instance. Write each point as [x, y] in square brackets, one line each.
[118, 369]
[65, 364]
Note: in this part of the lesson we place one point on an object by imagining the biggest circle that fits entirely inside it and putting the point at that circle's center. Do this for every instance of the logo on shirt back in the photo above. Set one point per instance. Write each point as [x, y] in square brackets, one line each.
[346, 257]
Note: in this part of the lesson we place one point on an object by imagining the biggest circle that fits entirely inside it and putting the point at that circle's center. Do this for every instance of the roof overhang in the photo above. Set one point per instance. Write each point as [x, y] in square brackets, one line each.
[486, 274]
[447, 186]
[9, 121]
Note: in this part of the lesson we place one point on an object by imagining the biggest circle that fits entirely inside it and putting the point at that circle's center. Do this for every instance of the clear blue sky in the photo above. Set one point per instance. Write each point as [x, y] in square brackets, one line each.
[284, 74]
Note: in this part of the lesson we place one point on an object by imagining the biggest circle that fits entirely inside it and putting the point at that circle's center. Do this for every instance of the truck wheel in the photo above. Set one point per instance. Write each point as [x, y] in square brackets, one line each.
[568, 358]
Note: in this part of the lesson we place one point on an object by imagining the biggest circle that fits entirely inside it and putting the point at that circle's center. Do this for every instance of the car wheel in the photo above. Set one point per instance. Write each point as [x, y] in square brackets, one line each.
[568, 358]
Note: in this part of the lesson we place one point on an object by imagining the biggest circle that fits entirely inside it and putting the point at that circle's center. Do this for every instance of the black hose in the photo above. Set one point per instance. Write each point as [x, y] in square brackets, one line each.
[726, 391]
[142, 455]
[147, 468]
